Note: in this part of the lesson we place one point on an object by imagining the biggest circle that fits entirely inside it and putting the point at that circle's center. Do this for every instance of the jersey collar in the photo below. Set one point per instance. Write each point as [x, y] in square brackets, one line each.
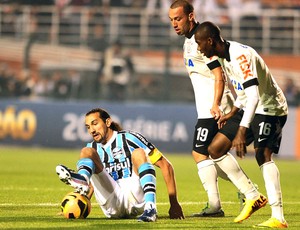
[113, 137]
[227, 55]
[192, 32]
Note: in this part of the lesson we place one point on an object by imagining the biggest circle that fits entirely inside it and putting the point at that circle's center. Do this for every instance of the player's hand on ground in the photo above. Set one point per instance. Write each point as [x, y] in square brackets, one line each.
[175, 212]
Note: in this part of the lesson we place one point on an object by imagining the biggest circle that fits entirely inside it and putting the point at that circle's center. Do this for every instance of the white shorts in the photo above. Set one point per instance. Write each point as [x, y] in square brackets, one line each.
[118, 199]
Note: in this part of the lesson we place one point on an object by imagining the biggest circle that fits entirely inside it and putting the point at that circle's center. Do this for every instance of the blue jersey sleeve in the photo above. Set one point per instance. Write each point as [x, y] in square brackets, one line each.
[137, 140]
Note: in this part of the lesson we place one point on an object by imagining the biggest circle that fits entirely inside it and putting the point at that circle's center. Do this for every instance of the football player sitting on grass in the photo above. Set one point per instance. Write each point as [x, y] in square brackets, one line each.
[118, 165]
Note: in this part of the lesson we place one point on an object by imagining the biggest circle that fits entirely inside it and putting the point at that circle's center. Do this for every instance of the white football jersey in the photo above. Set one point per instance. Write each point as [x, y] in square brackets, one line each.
[203, 80]
[244, 67]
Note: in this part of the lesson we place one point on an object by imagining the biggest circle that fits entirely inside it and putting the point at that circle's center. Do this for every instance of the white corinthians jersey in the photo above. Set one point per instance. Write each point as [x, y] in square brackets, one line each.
[203, 80]
[245, 68]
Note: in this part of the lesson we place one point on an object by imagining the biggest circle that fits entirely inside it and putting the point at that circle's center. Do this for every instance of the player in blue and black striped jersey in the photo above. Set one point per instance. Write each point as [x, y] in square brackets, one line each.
[117, 166]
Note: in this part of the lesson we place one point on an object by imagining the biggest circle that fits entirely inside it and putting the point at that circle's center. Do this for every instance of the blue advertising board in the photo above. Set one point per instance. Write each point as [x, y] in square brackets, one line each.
[61, 124]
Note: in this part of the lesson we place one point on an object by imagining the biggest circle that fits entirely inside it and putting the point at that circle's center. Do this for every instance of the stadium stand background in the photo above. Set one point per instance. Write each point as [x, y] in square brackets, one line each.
[48, 43]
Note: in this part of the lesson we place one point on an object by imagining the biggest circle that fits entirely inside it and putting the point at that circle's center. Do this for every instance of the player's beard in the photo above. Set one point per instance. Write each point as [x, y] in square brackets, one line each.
[102, 137]
[186, 29]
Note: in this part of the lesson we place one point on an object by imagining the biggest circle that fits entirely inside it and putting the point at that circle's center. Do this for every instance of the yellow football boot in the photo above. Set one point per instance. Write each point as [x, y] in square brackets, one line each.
[272, 223]
[250, 207]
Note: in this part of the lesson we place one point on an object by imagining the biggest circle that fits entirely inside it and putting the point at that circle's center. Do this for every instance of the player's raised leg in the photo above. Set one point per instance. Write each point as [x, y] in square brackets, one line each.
[76, 180]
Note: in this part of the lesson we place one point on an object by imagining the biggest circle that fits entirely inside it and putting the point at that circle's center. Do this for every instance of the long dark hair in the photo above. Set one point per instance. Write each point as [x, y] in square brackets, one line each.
[103, 114]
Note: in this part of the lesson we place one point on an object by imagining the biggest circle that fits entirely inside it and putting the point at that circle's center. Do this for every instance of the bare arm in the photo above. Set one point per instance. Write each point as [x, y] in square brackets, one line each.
[218, 93]
[175, 211]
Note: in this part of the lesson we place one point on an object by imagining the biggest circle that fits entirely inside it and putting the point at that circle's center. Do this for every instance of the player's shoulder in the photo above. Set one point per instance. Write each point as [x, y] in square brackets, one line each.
[136, 138]
[131, 133]
[212, 62]
[238, 51]
[237, 48]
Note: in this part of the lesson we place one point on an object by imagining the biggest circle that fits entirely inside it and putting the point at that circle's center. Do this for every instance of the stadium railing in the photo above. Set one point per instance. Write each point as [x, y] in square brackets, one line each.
[274, 31]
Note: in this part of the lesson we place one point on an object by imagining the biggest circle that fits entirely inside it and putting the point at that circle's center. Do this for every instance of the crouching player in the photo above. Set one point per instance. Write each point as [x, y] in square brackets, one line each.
[117, 166]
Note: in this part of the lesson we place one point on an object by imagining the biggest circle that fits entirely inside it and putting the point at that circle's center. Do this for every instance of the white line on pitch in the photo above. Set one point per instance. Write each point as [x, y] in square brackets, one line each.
[159, 203]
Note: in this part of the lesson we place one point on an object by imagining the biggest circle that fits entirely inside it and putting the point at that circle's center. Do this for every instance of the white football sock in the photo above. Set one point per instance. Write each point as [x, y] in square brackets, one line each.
[209, 178]
[237, 176]
[271, 177]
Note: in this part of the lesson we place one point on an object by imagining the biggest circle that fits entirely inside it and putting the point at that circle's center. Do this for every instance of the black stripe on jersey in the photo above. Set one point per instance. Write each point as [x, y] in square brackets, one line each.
[134, 145]
[94, 145]
[127, 153]
[142, 139]
[117, 161]
[105, 160]
[127, 150]
[214, 64]
[125, 146]
[148, 171]
[251, 82]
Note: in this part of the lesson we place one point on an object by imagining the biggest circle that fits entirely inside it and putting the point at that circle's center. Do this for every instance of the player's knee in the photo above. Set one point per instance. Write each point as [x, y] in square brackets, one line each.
[263, 155]
[87, 152]
[213, 152]
[138, 156]
[199, 156]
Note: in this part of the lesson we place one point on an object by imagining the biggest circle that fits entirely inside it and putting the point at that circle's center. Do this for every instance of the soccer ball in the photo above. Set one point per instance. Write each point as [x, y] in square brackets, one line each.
[75, 206]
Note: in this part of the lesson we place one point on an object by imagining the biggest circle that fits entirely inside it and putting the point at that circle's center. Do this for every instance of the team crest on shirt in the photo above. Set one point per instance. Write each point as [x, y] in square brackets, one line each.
[117, 152]
[188, 46]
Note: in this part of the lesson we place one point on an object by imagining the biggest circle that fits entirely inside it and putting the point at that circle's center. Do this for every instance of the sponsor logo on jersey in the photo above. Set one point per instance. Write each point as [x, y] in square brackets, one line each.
[117, 152]
[244, 66]
[189, 62]
[236, 85]
[189, 46]
[121, 167]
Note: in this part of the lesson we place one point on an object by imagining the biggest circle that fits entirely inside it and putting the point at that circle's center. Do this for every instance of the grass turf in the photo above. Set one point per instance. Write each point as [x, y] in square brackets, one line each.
[31, 193]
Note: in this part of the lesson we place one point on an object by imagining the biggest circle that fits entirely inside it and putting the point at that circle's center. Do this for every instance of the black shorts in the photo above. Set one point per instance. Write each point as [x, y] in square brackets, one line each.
[267, 131]
[232, 125]
[205, 130]
[264, 130]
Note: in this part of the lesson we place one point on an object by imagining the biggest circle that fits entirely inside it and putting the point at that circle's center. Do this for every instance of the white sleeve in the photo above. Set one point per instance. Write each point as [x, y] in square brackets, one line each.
[212, 62]
[251, 104]
[237, 103]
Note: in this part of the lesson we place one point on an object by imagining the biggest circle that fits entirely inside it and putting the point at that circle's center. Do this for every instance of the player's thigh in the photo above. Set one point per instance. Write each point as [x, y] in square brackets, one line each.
[205, 130]
[219, 146]
[231, 127]
[108, 194]
[133, 195]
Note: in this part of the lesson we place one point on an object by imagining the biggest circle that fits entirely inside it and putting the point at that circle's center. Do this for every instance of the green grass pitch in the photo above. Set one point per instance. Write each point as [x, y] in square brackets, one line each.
[30, 194]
